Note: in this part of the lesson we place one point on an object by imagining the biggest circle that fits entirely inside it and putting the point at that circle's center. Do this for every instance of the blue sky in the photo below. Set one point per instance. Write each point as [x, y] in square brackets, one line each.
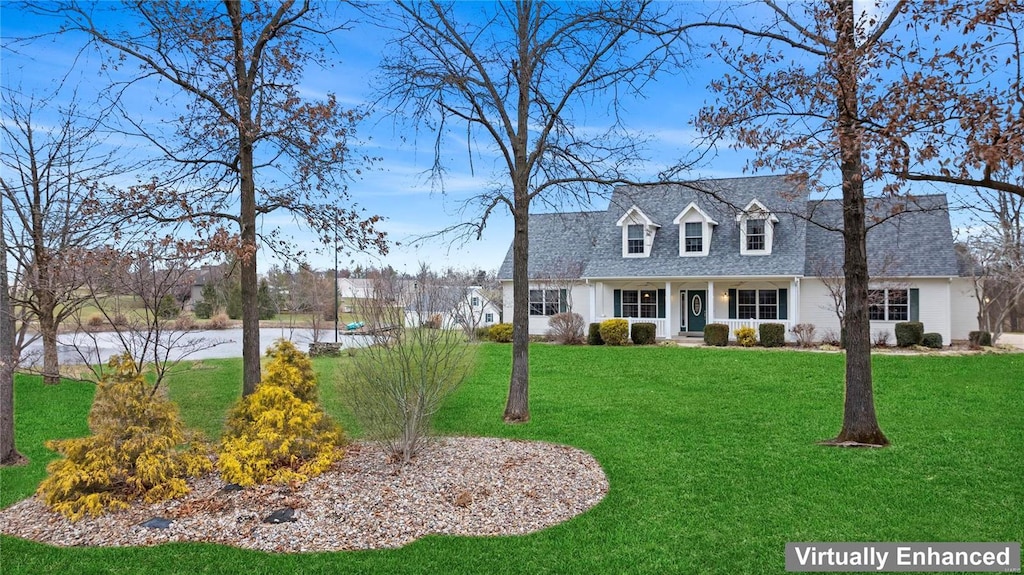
[395, 187]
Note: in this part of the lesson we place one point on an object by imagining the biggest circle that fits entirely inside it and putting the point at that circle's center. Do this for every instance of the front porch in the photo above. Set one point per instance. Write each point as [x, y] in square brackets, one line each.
[682, 307]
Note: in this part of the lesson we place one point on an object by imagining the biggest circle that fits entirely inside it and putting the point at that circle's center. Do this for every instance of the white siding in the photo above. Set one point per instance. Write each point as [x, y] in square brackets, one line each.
[964, 312]
[942, 308]
[580, 296]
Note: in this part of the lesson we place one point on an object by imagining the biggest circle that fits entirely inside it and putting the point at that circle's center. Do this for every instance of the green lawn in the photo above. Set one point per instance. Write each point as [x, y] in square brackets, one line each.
[710, 453]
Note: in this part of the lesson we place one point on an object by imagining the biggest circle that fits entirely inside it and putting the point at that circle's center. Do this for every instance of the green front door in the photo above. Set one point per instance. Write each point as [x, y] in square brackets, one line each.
[696, 310]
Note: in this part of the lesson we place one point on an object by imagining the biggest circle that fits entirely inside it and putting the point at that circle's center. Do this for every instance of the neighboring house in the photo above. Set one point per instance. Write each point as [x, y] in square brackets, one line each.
[453, 307]
[740, 252]
[355, 288]
[205, 275]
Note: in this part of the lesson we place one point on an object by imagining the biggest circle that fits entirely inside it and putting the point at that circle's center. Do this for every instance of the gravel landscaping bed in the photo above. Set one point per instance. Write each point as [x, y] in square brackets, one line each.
[456, 486]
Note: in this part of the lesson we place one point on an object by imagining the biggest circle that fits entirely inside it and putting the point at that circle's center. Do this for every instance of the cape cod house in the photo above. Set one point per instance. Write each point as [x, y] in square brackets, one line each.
[742, 252]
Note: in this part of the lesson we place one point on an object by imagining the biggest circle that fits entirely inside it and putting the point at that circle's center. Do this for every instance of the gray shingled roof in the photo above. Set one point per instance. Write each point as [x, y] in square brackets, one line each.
[558, 242]
[916, 243]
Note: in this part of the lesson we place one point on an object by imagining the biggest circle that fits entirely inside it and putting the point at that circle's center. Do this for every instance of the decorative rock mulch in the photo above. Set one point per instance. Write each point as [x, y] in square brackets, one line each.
[457, 486]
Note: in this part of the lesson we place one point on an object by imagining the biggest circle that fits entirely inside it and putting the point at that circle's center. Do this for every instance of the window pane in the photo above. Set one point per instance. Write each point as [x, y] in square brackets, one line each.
[747, 297]
[694, 237]
[768, 297]
[876, 313]
[755, 234]
[635, 243]
[747, 304]
[649, 303]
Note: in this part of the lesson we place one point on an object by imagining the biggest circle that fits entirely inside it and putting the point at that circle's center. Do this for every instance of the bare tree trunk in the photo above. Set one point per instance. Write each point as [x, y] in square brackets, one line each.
[8, 453]
[860, 425]
[517, 409]
[247, 217]
[48, 331]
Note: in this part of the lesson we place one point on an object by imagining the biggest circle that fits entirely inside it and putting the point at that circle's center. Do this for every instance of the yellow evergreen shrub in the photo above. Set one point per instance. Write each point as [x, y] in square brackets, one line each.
[746, 336]
[615, 331]
[280, 434]
[139, 450]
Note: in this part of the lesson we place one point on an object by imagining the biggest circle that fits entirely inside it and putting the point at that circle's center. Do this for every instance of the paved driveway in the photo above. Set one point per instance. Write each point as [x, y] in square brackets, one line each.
[1015, 339]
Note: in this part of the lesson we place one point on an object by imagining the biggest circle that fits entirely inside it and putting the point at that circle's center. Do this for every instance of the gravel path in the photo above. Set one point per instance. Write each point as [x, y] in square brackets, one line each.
[457, 486]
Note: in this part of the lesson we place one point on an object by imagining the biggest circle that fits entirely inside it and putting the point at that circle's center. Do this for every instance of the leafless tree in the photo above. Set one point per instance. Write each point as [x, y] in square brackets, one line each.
[519, 76]
[395, 385]
[52, 183]
[241, 140]
[150, 273]
[8, 361]
[994, 258]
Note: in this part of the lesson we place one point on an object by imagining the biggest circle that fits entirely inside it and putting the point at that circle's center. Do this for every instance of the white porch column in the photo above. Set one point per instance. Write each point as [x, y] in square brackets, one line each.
[710, 303]
[794, 301]
[598, 301]
[593, 303]
[668, 310]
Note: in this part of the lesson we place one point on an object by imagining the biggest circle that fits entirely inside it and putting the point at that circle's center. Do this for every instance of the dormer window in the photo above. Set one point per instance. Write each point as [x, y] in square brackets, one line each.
[634, 239]
[757, 229]
[694, 237]
[695, 227]
[755, 235]
[637, 233]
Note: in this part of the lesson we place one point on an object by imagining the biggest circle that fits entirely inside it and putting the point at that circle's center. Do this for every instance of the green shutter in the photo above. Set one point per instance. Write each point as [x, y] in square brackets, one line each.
[732, 304]
[617, 302]
[661, 303]
[562, 301]
[783, 303]
[915, 305]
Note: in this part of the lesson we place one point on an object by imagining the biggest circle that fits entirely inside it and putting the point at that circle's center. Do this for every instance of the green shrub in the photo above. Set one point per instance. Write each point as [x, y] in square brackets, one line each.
[772, 334]
[203, 310]
[167, 308]
[594, 335]
[643, 333]
[615, 331]
[746, 336]
[482, 333]
[932, 340]
[716, 334]
[139, 450]
[501, 332]
[980, 338]
[280, 434]
[909, 333]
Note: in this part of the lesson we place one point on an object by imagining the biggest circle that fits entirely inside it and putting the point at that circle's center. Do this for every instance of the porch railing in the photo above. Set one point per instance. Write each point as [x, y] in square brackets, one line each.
[661, 323]
[735, 324]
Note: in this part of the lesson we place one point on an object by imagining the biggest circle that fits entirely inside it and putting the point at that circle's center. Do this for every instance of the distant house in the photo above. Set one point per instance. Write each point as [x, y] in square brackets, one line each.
[749, 251]
[452, 307]
[209, 274]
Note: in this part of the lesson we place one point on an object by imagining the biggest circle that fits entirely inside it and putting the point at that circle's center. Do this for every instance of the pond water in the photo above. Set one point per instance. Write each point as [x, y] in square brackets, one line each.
[82, 347]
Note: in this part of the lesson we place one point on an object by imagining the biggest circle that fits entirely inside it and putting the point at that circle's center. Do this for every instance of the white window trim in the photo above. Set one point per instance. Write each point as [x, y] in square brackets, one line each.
[634, 216]
[755, 210]
[693, 214]
[887, 305]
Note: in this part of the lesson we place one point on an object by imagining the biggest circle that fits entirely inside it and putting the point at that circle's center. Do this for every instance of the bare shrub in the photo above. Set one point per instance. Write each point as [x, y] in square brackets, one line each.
[395, 385]
[804, 334]
[880, 338]
[184, 322]
[219, 321]
[830, 337]
[566, 328]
